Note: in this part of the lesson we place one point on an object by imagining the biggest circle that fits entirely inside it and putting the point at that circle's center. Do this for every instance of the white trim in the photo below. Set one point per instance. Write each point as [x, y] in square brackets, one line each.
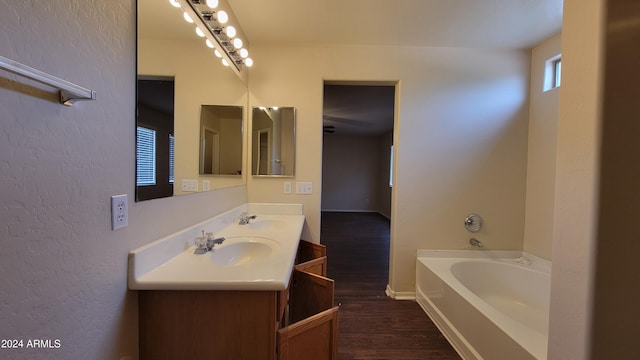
[398, 295]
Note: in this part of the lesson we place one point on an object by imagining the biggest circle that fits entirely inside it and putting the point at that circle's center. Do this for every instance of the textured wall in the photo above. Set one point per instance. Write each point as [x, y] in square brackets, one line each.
[62, 269]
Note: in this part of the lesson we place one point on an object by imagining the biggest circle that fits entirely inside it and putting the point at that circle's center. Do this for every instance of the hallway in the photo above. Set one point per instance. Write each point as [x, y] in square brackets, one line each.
[371, 325]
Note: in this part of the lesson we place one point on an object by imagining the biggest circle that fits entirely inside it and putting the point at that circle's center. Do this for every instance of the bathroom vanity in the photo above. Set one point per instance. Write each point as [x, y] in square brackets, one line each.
[261, 294]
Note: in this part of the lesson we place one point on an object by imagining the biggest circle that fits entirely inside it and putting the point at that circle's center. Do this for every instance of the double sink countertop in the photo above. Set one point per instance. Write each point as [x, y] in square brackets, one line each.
[256, 256]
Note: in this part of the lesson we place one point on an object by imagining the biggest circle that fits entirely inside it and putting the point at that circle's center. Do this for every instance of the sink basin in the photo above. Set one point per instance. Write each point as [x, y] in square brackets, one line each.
[241, 251]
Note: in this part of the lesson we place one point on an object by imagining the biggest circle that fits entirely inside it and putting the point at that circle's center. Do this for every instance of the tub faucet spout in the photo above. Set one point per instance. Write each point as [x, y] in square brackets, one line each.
[475, 242]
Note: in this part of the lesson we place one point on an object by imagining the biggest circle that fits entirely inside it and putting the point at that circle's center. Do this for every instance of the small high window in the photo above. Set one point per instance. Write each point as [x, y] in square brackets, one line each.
[552, 73]
[557, 72]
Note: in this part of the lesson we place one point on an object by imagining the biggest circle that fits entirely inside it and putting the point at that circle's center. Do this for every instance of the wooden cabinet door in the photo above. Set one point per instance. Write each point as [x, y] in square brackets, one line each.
[314, 338]
[310, 294]
[313, 332]
[309, 251]
[203, 325]
[316, 266]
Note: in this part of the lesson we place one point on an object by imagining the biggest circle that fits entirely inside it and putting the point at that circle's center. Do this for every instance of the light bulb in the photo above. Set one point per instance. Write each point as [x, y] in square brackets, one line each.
[209, 44]
[199, 32]
[174, 3]
[230, 31]
[248, 62]
[244, 53]
[225, 62]
[212, 4]
[222, 17]
[217, 53]
[187, 18]
[237, 43]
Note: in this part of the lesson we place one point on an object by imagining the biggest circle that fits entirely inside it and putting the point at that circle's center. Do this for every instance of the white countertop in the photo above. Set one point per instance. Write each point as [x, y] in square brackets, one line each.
[170, 263]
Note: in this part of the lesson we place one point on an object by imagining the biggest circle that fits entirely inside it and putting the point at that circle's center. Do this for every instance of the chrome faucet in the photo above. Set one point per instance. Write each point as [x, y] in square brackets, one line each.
[475, 242]
[245, 217]
[206, 243]
[213, 241]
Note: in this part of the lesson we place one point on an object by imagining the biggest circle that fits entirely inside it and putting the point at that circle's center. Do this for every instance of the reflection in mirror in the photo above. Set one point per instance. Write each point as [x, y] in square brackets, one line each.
[273, 145]
[169, 49]
[154, 138]
[221, 140]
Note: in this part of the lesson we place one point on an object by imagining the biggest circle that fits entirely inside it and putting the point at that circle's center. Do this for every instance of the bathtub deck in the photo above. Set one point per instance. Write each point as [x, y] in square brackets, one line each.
[372, 326]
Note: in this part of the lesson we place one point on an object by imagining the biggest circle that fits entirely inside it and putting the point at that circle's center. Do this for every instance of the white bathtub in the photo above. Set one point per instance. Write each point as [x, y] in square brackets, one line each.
[488, 304]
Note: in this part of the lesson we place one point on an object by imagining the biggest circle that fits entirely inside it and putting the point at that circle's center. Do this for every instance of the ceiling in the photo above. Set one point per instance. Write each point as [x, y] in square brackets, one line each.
[454, 23]
[513, 24]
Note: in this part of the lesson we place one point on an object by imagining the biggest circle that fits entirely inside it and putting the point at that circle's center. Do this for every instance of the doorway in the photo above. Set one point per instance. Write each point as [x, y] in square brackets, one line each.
[358, 123]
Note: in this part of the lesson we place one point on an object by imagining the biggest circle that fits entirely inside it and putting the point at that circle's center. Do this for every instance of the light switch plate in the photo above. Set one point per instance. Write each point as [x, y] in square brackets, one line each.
[189, 185]
[206, 185]
[287, 187]
[304, 188]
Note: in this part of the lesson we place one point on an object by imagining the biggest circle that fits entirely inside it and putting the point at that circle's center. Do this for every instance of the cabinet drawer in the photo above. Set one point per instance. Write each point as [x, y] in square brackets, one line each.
[312, 332]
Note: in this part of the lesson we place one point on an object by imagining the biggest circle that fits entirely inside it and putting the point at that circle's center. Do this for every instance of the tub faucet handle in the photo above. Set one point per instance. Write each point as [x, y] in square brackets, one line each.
[473, 222]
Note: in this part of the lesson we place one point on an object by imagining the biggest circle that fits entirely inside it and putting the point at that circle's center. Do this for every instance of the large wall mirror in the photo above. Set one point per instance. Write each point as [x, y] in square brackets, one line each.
[181, 82]
[273, 141]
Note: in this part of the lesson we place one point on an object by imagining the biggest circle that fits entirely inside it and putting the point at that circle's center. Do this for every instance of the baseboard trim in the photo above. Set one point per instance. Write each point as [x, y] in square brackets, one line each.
[400, 295]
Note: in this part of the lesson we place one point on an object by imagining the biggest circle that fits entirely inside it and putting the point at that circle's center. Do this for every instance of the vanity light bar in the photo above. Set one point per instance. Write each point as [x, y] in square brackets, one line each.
[213, 20]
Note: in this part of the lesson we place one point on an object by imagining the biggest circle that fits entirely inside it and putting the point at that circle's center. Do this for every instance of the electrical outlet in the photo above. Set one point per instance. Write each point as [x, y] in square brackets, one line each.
[119, 212]
[287, 187]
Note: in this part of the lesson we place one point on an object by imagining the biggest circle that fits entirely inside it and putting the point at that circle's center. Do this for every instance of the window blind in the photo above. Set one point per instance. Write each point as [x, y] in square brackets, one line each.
[146, 157]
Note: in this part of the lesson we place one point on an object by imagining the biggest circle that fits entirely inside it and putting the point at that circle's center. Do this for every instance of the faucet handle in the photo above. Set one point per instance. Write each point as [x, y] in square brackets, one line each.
[201, 245]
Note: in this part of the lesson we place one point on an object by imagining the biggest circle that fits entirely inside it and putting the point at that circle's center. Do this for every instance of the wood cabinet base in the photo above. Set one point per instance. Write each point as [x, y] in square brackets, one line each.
[207, 324]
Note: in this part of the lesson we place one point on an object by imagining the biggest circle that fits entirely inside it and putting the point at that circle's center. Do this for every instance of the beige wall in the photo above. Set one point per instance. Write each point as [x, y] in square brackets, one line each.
[461, 139]
[616, 286]
[541, 159]
[576, 180]
[63, 269]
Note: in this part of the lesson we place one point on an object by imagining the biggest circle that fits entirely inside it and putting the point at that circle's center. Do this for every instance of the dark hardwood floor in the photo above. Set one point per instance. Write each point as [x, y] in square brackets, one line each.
[371, 325]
